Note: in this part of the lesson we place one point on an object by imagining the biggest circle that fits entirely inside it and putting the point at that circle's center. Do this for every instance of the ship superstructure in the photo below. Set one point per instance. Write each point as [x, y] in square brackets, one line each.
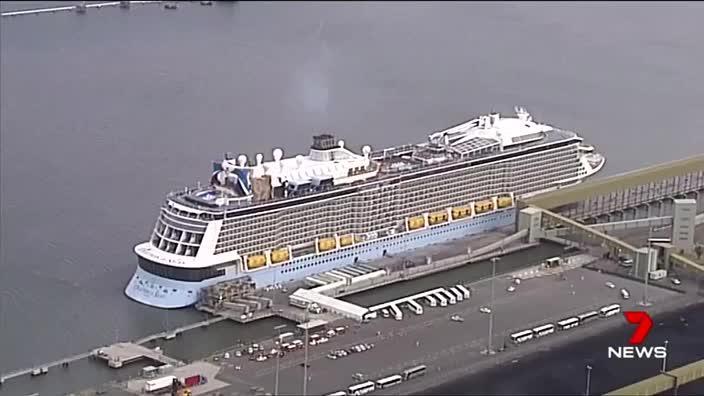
[288, 218]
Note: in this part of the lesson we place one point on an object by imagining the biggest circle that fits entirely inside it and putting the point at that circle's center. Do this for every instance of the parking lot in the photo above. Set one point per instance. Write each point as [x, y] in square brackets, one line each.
[434, 339]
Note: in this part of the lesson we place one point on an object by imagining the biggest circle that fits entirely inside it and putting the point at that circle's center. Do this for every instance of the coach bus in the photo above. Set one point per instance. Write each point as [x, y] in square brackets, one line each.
[522, 336]
[414, 372]
[361, 389]
[610, 310]
[543, 330]
[587, 316]
[389, 381]
[568, 323]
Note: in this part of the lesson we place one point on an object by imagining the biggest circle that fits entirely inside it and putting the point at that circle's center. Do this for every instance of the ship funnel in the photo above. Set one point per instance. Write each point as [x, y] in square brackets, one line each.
[242, 160]
[260, 158]
[341, 143]
[299, 160]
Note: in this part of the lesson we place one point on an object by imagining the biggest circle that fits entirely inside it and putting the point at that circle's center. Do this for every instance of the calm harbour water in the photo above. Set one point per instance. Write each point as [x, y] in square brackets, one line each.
[102, 114]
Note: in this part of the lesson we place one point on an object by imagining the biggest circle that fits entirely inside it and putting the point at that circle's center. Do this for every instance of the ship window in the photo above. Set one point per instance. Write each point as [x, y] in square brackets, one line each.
[180, 274]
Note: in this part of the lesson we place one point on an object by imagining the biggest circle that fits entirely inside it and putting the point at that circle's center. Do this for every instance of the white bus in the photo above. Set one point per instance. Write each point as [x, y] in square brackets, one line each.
[338, 393]
[610, 310]
[522, 336]
[431, 300]
[285, 336]
[414, 372]
[398, 315]
[441, 298]
[415, 307]
[543, 330]
[361, 389]
[568, 323]
[450, 297]
[389, 381]
[457, 293]
[464, 291]
[587, 316]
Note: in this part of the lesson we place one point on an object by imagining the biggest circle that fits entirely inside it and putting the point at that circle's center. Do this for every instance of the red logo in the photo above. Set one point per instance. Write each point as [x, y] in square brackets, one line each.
[644, 322]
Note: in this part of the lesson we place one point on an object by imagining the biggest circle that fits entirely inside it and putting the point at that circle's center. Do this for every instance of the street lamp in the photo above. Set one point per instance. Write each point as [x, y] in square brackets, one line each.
[589, 378]
[664, 358]
[305, 359]
[489, 349]
[278, 353]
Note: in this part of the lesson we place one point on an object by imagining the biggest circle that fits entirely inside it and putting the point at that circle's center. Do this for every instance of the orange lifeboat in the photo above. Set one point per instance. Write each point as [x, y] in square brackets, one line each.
[256, 261]
[416, 222]
[483, 206]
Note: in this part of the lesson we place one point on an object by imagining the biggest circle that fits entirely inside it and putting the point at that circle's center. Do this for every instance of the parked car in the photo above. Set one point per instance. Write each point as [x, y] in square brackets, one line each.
[610, 285]
[485, 310]
[676, 281]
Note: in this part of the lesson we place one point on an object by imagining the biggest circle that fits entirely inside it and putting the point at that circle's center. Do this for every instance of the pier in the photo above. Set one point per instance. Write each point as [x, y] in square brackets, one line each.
[119, 351]
[37, 11]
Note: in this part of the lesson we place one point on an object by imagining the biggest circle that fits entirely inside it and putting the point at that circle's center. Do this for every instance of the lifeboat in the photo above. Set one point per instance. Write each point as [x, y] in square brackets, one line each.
[461, 212]
[346, 240]
[483, 206]
[325, 244]
[279, 255]
[256, 261]
[504, 202]
[416, 222]
[437, 217]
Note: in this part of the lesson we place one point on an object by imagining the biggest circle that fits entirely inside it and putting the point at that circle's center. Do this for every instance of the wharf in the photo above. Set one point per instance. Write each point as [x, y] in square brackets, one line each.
[118, 351]
[36, 11]
[117, 355]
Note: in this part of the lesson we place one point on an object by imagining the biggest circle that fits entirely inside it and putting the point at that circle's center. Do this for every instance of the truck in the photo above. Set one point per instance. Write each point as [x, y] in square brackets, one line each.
[658, 274]
[194, 380]
[159, 384]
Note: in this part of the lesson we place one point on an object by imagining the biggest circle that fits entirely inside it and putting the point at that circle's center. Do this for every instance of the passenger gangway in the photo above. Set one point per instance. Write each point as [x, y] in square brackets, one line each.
[355, 271]
[402, 300]
[431, 300]
[340, 273]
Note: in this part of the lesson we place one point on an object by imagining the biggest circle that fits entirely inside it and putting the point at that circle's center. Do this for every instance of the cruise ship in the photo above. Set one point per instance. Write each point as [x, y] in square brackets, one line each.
[281, 220]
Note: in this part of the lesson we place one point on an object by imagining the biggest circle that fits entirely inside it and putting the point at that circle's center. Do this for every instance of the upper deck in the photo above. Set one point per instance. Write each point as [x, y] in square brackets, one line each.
[331, 170]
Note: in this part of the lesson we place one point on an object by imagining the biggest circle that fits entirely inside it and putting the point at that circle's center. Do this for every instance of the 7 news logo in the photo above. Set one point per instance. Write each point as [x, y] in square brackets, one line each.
[636, 350]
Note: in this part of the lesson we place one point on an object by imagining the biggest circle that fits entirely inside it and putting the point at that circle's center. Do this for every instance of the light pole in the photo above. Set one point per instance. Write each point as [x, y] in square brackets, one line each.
[664, 358]
[305, 358]
[278, 353]
[489, 349]
[589, 378]
[645, 301]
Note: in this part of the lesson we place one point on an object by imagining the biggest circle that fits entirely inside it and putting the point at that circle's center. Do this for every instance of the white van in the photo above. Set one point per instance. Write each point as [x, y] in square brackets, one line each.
[625, 294]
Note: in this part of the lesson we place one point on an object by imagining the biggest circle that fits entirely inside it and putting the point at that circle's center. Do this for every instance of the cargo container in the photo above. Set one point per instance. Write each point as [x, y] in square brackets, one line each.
[194, 380]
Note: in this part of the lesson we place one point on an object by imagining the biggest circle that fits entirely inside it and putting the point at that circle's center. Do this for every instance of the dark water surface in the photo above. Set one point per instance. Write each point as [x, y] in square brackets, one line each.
[101, 114]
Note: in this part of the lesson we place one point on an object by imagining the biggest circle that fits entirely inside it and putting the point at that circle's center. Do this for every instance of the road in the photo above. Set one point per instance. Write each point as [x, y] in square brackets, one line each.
[434, 340]
[562, 370]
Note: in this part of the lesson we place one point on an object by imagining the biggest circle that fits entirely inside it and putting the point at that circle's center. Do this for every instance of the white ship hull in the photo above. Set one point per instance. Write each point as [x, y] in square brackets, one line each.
[161, 292]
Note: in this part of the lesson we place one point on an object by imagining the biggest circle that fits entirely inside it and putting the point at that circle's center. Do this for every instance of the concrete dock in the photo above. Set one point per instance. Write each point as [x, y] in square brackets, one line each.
[117, 355]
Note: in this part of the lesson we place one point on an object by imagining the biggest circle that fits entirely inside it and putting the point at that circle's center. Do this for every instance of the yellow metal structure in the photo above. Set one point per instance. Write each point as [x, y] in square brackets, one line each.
[483, 206]
[325, 244]
[504, 202]
[256, 261]
[461, 212]
[437, 217]
[279, 255]
[346, 240]
[416, 222]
